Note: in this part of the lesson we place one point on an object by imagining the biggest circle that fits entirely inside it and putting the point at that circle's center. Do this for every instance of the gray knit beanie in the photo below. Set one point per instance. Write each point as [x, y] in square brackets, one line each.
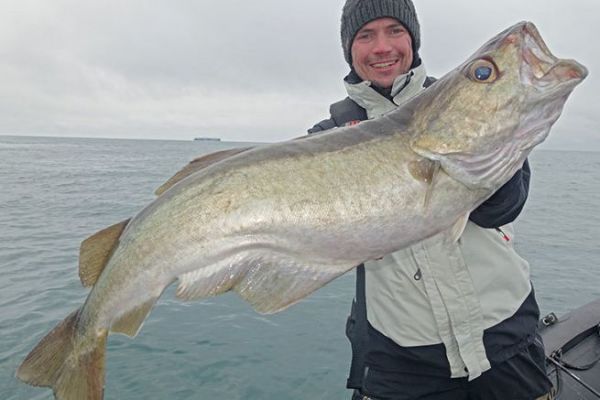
[357, 13]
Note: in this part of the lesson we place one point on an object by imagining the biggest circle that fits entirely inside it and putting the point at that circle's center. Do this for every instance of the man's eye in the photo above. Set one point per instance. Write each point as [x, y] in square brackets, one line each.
[363, 36]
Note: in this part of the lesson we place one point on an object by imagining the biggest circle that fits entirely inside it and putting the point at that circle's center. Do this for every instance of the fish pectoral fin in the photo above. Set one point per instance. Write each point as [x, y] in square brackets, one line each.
[426, 171]
[271, 287]
[131, 322]
[197, 165]
[96, 250]
[435, 173]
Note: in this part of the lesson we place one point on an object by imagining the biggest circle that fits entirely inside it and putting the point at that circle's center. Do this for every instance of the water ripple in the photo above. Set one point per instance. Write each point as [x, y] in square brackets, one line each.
[62, 190]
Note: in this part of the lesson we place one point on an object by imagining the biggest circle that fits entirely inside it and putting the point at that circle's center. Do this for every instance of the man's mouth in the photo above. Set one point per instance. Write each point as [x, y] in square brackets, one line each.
[383, 64]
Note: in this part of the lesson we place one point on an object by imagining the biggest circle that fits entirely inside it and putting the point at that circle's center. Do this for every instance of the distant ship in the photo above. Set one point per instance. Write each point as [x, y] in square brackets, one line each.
[208, 139]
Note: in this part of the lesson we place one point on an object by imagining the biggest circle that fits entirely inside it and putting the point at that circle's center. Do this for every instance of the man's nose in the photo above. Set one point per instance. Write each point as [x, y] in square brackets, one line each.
[382, 44]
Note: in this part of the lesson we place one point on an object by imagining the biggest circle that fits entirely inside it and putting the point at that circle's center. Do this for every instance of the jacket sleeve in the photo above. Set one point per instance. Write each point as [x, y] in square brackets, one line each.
[506, 204]
[322, 126]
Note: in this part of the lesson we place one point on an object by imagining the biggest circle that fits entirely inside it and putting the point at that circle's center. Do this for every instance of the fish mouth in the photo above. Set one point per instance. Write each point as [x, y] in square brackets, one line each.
[544, 70]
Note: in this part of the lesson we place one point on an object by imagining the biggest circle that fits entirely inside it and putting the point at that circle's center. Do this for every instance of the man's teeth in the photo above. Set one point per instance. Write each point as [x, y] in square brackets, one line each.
[384, 64]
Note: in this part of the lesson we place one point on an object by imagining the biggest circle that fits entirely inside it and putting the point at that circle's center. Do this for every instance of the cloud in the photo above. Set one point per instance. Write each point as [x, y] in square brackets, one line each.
[263, 70]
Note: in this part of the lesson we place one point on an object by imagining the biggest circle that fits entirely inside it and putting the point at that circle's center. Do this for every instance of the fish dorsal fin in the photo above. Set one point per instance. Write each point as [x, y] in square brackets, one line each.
[197, 165]
[270, 283]
[96, 250]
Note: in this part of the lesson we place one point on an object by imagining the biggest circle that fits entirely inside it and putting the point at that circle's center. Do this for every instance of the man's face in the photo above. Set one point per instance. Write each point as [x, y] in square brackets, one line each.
[382, 50]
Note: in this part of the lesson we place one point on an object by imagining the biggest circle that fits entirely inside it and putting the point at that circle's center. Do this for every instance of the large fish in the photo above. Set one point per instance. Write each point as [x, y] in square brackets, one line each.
[274, 223]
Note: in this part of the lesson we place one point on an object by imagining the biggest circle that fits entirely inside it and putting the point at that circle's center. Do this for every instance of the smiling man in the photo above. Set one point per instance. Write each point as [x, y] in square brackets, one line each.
[381, 51]
[380, 40]
[408, 342]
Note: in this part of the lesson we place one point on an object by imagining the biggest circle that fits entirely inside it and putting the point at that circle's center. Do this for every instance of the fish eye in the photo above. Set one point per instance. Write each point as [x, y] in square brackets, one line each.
[483, 71]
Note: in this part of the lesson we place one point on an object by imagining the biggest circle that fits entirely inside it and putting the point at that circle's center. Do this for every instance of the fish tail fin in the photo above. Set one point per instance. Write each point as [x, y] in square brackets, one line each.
[56, 362]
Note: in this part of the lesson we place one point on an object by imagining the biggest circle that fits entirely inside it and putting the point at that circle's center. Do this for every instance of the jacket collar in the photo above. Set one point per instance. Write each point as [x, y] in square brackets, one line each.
[405, 87]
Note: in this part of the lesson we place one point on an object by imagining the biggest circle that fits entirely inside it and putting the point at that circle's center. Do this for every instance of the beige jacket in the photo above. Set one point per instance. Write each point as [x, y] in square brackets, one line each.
[441, 292]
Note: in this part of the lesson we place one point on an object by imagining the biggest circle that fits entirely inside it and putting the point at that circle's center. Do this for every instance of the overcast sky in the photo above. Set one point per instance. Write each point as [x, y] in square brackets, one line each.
[262, 70]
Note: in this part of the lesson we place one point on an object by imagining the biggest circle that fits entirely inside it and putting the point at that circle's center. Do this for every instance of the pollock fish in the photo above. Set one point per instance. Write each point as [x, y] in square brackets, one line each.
[276, 222]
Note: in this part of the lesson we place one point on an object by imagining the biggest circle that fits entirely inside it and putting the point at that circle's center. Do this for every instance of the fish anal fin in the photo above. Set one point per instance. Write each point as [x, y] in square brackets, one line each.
[274, 285]
[197, 165]
[58, 363]
[131, 322]
[96, 250]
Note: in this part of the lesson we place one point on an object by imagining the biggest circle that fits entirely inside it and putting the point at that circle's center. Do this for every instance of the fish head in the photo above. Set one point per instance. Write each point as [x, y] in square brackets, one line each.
[481, 120]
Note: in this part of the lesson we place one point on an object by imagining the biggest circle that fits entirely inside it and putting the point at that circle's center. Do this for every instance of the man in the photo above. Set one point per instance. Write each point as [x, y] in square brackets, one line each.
[431, 322]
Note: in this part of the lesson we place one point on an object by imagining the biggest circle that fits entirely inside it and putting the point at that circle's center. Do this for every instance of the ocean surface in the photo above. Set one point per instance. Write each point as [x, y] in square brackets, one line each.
[55, 192]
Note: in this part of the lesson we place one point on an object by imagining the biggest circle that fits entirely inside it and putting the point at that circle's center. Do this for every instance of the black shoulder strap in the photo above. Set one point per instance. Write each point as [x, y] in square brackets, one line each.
[345, 111]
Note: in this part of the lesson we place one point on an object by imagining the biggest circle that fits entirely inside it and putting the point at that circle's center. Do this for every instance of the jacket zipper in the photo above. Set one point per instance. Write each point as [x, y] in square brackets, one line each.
[505, 237]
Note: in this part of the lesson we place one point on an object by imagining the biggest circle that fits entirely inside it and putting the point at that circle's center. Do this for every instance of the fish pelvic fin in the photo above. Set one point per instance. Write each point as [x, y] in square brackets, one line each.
[269, 282]
[271, 287]
[197, 165]
[58, 362]
[95, 252]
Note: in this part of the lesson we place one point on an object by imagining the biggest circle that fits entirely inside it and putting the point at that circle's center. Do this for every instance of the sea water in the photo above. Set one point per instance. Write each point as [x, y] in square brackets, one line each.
[55, 192]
